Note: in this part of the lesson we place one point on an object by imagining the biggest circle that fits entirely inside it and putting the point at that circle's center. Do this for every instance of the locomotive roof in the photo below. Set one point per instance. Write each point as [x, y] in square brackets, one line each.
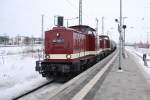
[104, 36]
[83, 27]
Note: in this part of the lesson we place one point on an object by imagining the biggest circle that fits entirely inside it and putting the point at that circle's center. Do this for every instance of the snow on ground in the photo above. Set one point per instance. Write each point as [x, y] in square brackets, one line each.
[139, 58]
[17, 69]
[17, 72]
[9, 50]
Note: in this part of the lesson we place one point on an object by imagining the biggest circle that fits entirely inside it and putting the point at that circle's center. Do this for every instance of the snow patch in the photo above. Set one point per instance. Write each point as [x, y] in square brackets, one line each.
[138, 52]
[17, 71]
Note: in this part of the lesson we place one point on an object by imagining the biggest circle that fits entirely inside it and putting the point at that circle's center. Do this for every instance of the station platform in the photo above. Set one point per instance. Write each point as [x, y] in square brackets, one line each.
[128, 84]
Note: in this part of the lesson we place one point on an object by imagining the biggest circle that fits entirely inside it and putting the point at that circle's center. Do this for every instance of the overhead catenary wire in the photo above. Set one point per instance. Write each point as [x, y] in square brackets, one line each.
[85, 15]
[77, 9]
[72, 6]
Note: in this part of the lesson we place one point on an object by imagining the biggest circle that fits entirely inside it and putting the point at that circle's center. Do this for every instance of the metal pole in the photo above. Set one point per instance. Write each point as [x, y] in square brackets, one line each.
[97, 26]
[80, 12]
[120, 37]
[102, 25]
[97, 37]
[67, 23]
[42, 32]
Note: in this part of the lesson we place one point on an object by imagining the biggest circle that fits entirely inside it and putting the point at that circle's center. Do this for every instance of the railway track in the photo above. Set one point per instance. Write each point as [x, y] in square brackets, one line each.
[33, 90]
[41, 88]
[98, 72]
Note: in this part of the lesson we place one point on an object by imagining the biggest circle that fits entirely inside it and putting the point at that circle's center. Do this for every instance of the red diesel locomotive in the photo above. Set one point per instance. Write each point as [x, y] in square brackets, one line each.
[72, 50]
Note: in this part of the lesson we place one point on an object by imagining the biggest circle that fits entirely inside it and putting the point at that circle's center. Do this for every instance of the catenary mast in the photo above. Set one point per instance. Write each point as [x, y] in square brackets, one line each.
[80, 12]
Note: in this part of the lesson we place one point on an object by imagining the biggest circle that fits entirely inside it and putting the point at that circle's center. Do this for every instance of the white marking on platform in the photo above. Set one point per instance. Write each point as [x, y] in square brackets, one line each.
[120, 70]
[81, 94]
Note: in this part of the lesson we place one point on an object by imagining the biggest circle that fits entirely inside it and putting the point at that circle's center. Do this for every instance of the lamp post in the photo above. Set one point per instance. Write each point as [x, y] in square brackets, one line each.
[120, 35]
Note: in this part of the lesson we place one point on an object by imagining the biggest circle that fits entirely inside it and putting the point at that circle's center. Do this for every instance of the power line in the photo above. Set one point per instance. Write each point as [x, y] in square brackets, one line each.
[76, 8]
[72, 5]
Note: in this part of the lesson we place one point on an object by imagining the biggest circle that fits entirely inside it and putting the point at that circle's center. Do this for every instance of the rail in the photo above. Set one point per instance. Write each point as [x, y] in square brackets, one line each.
[33, 90]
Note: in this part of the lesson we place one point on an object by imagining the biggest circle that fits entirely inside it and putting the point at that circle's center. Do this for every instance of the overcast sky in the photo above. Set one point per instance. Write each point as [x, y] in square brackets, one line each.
[23, 17]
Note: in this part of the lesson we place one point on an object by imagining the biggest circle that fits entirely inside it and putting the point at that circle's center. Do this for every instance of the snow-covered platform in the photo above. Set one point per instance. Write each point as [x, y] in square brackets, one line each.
[129, 84]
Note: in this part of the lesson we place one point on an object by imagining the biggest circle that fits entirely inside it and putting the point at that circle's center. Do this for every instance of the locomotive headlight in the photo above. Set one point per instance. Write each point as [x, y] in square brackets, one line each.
[47, 56]
[57, 34]
[68, 56]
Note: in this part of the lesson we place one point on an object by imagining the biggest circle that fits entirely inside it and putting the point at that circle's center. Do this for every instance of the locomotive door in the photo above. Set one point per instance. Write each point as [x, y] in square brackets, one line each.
[79, 45]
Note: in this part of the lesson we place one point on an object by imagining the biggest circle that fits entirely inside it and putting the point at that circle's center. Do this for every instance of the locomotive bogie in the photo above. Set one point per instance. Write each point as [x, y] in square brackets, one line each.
[58, 67]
